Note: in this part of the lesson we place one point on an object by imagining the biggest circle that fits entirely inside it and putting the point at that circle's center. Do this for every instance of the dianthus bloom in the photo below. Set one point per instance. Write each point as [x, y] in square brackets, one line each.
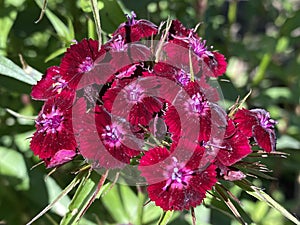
[54, 140]
[257, 123]
[175, 184]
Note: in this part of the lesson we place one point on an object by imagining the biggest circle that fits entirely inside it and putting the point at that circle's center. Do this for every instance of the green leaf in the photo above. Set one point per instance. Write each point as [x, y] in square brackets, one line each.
[7, 19]
[113, 203]
[202, 215]
[15, 3]
[22, 141]
[130, 201]
[111, 15]
[61, 207]
[84, 194]
[262, 196]
[61, 29]
[225, 197]
[10, 69]
[95, 9]
[12, 166]
[288, 142]
[55, 54]
[151, 213]
[70, 187]
[279, 93]
[165, 217]
[29, 70]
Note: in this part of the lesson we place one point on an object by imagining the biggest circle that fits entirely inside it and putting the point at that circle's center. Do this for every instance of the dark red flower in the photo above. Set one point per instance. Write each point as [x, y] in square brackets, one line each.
[234, 146]
[216, 62]
[80, 59]
[179, 75]
[173, 183]
[134, 30]
[125, 55]
[257, 123]
[55, 131]
[189, 116]
[187, 38]
[177, 29]
[130, 100]
[104, 140]
[51, 84]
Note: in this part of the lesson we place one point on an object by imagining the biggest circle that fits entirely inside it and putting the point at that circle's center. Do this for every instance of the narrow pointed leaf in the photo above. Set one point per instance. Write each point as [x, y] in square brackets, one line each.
[61, 29]
[84, 193]
[262, 196]
[70, 187]
[55, 54]
[10, 69]
[165, 218]
[224, 196]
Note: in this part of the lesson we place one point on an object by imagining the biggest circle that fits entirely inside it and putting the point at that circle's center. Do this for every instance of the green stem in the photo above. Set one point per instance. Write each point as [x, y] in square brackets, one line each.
[141, 201]
[260, 74]
[95, 9]
[165, 217]
[232, 11]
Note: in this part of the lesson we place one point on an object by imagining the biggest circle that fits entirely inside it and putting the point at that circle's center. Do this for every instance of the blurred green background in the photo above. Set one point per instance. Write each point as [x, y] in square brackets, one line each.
[260, 39]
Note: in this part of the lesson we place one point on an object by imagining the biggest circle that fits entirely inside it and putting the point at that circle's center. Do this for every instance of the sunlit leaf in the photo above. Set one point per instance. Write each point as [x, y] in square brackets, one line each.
[61, 29]
[262, 196]
[288, 142]
[12, 166]
[53, 189]
[70, 187]
[165, 218]
[10, 69]
[151, 213]
[113, 203]
[7, 19]
[55, 54]
[84, 194]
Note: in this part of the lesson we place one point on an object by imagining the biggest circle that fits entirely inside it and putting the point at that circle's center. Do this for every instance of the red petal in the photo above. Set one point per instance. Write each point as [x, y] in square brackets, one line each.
[264, 138]
[245, 120]
[137, 31]
[46, 88]
[234, 147]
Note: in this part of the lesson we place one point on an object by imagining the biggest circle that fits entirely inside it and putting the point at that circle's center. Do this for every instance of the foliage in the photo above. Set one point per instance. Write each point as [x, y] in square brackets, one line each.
[261, 42]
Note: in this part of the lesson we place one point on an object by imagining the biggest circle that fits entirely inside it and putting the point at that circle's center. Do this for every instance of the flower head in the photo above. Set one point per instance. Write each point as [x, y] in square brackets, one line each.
[104, 140]
[134, 30]
[175, 184]
[131, 101]
[257, 123]
[79, 60]
[54, 131]
[233, 148]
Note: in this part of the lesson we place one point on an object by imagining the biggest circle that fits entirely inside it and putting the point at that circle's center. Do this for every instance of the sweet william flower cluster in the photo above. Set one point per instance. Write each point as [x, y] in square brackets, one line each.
[144, 99]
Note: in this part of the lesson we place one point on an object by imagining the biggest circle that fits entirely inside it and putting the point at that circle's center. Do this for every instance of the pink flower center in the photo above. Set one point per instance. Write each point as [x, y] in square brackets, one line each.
[265, 119]
[197, 104]
[198, 46]
[112, 135]
[118, 45]
[59, 84]
[51, 122]
[182, 77]
[177, 175]
[131, 19]
[86, 65]
[134, 93]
